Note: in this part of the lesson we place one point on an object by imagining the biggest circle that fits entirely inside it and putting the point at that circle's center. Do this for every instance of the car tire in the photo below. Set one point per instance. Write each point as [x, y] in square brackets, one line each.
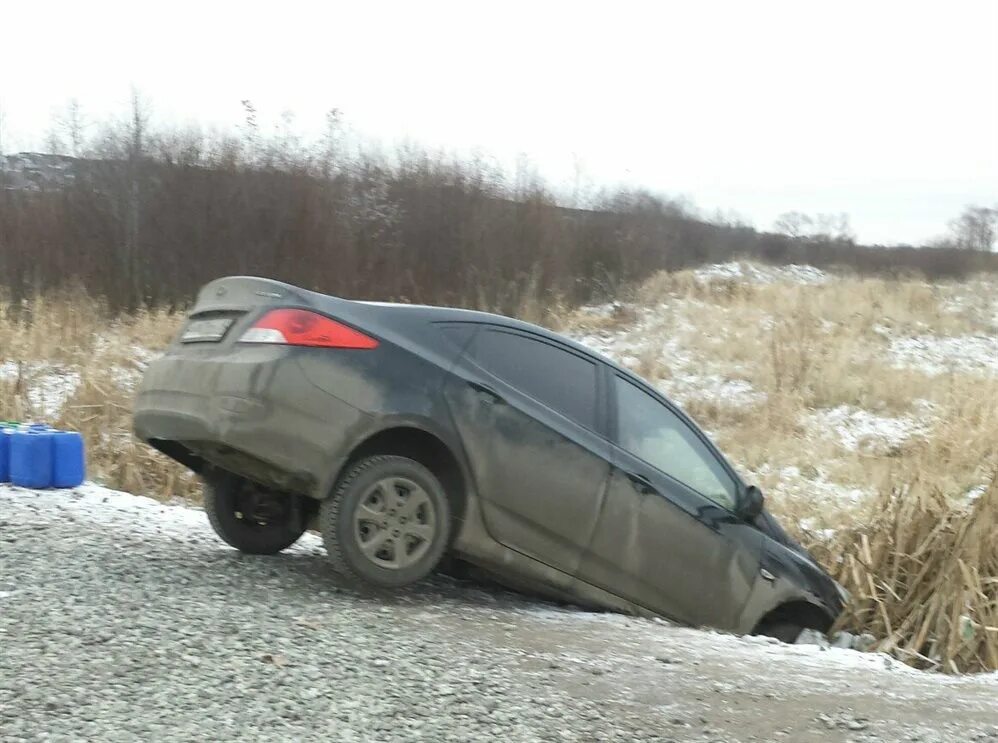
[386, 523]
[787, 632]
[251, 518]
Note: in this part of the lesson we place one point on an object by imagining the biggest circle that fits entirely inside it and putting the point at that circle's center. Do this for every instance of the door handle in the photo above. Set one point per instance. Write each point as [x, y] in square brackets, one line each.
[641, 482]
[487, 395]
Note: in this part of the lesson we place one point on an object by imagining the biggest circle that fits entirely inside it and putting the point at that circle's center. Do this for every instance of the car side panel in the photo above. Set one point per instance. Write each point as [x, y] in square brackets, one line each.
[539, 476]
[791, 577]
[662, 545]
[668, 549]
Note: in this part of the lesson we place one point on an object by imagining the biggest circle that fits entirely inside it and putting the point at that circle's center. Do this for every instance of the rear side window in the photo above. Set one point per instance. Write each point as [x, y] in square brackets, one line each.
[555, 377]
[649, 430]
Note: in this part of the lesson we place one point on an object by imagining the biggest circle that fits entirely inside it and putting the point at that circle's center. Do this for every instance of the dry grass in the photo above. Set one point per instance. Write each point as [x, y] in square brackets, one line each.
[918, 553]
[923, 573]
[67, 342]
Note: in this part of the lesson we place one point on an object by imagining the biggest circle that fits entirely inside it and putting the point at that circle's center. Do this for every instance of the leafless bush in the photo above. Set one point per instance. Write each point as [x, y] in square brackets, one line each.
[146, 216]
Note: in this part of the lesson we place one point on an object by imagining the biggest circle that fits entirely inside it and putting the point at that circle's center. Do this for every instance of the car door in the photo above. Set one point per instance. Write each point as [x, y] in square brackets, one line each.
[529, 414]
[668, 538]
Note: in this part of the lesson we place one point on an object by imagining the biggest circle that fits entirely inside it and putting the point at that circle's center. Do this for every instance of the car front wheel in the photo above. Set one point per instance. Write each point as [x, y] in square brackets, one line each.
[787, 632]
[386, 523]
[250, 517]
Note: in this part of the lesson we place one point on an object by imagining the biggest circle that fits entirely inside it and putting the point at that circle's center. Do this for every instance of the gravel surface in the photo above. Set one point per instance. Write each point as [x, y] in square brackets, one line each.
[122, 619]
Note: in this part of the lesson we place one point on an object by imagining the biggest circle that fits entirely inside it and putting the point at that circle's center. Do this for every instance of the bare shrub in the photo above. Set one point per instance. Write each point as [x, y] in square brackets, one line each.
[145, 216]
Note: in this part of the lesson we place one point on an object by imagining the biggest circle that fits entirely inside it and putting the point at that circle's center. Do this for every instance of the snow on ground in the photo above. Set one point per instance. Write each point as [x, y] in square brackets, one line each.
[814, 485]
[735, 393]
[934, 355]
[751, 273]
[102, 505]
[860, 430]
[48, 386]
[657, 333]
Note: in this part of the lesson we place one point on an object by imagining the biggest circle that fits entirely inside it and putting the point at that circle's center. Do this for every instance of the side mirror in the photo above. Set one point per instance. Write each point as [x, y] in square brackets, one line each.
[751, 504]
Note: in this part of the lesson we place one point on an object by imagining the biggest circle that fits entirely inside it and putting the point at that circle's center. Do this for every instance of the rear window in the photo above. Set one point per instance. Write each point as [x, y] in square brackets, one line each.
[559, 379]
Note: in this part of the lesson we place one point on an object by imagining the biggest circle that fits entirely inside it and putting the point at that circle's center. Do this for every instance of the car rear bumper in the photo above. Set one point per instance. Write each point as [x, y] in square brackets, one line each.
[250, 410]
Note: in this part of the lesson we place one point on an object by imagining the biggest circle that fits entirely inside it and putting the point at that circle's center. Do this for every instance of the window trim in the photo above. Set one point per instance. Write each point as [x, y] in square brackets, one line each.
[602, 393]
[614, 422]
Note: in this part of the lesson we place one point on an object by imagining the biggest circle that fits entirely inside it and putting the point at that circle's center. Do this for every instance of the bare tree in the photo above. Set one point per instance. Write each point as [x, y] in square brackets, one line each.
[53, 142]
[154, 213]
[132, 258]
[976, 228]
[332, 138]
[820, 228]
[73, 126]
[793, 224]
[251, 131]
[833, 227]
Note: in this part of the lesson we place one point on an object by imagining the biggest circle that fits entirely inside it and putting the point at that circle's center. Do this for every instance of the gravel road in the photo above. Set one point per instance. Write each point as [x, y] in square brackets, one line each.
[122, 619]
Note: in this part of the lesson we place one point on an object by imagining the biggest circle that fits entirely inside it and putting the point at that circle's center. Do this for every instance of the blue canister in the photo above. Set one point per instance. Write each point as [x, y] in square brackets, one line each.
[31, 458]
[5, 434]
[68, 461]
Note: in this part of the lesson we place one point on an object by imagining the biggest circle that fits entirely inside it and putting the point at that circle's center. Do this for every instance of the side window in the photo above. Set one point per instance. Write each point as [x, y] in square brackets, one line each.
[561, 380]
[648, 429]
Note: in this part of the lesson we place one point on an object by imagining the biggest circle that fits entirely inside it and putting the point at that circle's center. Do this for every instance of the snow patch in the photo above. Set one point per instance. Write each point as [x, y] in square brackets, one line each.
[934, 355]
[48, 386]
[749, 273]
[735, 393]
[791, 483]
[656, 335]
[860, 430]
[144, 515]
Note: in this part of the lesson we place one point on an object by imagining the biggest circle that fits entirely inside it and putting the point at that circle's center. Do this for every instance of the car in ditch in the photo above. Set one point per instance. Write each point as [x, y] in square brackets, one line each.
[409, 435]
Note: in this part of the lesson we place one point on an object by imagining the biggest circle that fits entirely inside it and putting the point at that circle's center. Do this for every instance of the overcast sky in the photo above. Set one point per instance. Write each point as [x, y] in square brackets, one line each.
[885, 110]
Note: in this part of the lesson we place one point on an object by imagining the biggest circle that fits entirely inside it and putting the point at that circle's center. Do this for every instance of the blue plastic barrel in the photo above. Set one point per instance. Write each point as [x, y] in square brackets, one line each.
[31, 458]
[68, 462]
[5, 433]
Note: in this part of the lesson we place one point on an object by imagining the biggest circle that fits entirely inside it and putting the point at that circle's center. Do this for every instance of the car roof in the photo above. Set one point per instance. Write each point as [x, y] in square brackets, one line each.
[458, 315]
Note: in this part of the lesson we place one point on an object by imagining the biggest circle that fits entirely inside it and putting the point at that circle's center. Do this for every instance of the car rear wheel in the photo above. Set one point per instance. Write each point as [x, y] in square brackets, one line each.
[386, 523]
[252, 518]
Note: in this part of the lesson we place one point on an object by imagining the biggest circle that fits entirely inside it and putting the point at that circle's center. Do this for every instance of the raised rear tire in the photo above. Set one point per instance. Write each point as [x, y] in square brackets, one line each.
[252, 518]
[386, 523]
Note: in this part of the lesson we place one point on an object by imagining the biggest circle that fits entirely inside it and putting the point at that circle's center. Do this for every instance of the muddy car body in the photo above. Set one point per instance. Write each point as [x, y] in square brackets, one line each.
[409, 435]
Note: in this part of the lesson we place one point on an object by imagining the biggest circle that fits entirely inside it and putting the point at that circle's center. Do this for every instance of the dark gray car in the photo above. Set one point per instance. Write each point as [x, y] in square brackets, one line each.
[408, 434]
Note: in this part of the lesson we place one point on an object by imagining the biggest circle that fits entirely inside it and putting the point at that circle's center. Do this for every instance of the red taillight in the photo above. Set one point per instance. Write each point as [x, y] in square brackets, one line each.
[293, 327]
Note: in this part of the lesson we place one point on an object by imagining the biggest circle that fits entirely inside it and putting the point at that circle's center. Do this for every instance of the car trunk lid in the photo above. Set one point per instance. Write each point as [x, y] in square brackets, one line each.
[221, 303]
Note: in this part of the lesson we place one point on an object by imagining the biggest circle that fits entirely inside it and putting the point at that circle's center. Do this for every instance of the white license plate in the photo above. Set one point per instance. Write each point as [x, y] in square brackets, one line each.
[211, 329]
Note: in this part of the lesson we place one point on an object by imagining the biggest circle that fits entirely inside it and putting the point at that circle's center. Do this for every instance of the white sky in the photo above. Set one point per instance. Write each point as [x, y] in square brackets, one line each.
[885, 110]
